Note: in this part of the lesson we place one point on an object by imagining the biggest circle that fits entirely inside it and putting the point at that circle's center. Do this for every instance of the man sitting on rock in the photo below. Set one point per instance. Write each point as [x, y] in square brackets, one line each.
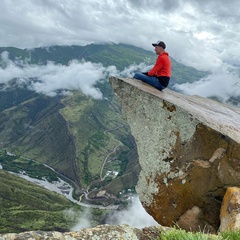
[160, 74]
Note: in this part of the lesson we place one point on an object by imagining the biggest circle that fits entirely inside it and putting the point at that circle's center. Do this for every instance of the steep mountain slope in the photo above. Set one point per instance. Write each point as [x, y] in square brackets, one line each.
[35, 129]
[72, 134]
[26, 206]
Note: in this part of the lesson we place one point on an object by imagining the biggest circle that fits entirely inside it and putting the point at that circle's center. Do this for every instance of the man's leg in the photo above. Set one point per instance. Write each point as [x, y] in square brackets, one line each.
[153, 81]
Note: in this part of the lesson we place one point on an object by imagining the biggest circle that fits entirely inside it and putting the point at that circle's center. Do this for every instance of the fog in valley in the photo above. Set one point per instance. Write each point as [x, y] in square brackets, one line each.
[135, 216]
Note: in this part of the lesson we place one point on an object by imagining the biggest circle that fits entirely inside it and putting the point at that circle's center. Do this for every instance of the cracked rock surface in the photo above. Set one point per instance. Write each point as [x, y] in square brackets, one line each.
[101, 232]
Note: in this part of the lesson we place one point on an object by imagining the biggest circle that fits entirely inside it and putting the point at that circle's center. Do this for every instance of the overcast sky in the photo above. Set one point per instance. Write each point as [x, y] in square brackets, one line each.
[204, 34]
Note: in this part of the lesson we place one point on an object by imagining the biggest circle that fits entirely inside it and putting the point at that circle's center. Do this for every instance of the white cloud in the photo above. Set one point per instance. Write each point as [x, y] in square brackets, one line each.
[84, 220]
[222, 83]
[53, 77]
[130, 70]
[135, 216]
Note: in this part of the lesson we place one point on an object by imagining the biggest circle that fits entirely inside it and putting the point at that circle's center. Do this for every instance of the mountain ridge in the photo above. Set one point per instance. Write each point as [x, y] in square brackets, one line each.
[120, 55]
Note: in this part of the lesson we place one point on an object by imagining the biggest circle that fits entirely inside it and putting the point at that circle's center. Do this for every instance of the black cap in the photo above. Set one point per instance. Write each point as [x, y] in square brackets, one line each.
[159, 43]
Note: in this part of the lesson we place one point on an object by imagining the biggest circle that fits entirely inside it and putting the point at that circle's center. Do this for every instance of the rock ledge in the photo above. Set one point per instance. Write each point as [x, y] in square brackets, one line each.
[189, 152]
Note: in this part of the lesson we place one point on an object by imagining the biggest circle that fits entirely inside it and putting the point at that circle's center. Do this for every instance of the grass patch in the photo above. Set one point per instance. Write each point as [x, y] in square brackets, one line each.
[235, 235]
[179, 234]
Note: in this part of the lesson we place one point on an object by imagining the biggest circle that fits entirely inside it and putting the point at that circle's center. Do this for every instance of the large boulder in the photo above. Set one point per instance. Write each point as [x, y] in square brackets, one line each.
[189, 152]
[230, 210]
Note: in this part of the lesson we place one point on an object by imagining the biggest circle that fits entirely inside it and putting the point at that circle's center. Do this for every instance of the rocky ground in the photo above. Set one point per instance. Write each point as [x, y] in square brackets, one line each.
[102, 232]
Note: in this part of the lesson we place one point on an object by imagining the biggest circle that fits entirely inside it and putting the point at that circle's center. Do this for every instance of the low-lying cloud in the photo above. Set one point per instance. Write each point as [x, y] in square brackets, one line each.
[52, 79]
[223, 83]
[135, 216]
[84, 221]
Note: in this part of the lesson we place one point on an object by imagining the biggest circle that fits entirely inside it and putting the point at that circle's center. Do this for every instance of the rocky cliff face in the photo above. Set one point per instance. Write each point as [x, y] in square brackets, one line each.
[188, 149]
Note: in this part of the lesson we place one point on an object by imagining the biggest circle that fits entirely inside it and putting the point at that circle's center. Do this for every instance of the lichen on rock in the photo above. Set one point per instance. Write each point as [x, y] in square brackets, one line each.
[101, 232]
[188, 150]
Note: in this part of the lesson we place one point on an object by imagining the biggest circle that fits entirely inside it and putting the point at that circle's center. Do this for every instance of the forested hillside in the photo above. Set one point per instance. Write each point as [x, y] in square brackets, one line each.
[26, 206]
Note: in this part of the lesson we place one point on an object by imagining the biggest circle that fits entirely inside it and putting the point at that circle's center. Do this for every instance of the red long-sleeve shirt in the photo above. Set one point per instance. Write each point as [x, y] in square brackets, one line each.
[162, 66]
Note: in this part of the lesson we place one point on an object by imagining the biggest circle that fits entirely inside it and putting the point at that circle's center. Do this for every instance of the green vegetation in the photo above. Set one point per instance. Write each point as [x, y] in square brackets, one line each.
[14, 53]
[97, 128]
[32, 168]
[26, 206]
[120, 55]
[234, 235]
[178, 234]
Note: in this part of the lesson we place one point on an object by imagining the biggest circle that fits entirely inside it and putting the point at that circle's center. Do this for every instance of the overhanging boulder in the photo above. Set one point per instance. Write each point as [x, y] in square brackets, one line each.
[189, 151]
